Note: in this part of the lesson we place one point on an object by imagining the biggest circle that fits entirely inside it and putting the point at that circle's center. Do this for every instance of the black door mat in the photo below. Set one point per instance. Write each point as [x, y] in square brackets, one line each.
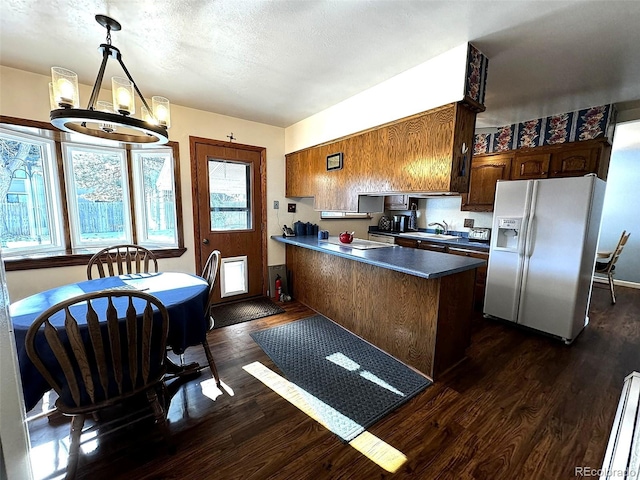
[243, 311]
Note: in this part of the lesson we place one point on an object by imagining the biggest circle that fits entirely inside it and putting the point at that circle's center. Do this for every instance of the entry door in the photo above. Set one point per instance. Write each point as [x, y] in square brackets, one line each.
[229, 186]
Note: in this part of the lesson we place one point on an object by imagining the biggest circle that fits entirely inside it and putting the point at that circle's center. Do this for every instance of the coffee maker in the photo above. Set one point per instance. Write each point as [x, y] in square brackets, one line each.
[400, 223]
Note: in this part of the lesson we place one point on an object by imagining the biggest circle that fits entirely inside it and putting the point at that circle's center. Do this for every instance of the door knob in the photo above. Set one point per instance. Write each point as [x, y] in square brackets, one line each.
[205, 241]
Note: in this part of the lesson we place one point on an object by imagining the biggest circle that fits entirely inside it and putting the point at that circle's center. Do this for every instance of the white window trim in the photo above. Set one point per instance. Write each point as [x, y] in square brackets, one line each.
[72, 198]
[52, 192]
[139, 200]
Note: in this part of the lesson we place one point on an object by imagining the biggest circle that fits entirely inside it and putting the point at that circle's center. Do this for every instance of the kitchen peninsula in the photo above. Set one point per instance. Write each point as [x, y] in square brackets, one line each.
[414, 304]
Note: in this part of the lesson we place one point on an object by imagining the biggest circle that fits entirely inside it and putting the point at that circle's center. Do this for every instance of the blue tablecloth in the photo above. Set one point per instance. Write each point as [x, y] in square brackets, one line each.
[184, 295]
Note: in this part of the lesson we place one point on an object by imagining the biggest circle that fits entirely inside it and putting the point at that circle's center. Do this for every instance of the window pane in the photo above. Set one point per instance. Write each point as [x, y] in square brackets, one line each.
[155, 197]
[28, 209]
[230, 195]
[98, 196]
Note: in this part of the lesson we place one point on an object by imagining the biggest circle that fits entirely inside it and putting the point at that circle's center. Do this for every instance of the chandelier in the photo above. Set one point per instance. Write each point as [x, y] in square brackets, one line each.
[110, 121]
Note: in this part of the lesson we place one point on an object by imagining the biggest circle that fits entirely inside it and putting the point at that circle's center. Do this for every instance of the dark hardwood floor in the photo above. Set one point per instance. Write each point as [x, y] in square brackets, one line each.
[522, 406]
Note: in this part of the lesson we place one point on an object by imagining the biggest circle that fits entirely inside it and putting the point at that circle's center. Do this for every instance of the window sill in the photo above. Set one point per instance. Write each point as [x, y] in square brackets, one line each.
[50, 260]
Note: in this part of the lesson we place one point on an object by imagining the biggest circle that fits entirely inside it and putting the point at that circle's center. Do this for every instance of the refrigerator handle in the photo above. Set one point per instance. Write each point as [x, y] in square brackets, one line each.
[531, 224]
[529, 221]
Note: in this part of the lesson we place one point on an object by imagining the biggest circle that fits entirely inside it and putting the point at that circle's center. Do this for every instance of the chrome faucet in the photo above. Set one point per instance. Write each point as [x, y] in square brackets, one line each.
[444, 226]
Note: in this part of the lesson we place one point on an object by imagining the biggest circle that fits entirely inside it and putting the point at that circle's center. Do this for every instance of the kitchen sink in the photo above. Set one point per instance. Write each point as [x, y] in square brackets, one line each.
[435, 236]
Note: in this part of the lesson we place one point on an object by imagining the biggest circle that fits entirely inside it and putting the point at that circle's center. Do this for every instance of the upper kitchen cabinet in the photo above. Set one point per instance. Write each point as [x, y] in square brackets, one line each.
[427, 152]
[529, 167]
[399, 202]
[581, 158]
[550, 161]
[486, 170]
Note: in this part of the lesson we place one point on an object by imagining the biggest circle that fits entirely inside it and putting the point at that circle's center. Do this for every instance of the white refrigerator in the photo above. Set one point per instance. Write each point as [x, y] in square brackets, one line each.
[543, 252]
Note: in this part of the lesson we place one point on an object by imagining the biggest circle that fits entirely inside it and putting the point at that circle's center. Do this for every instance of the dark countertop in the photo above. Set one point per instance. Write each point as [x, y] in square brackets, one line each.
[460, 242]
[413, 261]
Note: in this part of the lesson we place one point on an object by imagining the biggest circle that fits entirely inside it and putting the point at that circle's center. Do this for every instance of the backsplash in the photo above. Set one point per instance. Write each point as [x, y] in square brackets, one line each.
[437, 209]
[575, 126]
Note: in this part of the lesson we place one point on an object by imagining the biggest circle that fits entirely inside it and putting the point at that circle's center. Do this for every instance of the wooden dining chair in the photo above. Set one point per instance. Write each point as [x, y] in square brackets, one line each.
[121, 260]
[608, 268]
[111, 348]
[210, 274]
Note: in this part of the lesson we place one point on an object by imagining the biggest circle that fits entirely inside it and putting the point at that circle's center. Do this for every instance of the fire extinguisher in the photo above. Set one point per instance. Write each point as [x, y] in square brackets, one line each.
[278, 286]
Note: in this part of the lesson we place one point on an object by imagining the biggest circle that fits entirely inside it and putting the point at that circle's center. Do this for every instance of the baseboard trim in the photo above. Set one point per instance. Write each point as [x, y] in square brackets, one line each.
[621, 283]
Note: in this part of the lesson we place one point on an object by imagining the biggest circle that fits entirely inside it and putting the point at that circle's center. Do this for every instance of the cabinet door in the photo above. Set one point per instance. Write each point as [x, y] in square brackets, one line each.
[434, 247]
[405, 242]
[530, 166]
[481, 274]
[398, 202]
[485, 172]
[574, 162]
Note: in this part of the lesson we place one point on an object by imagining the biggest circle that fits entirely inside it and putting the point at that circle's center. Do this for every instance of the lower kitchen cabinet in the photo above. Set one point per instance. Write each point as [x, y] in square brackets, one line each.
[481, 272]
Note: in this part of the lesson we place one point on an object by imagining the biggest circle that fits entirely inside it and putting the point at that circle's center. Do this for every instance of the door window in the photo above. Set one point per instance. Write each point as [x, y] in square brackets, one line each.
[230, 195]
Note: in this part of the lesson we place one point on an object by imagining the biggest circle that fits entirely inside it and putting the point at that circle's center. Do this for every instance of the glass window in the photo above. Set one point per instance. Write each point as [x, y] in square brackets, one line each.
[29, 203]
[155, 197]
[230, 195]
[112, 193]
[98, 195]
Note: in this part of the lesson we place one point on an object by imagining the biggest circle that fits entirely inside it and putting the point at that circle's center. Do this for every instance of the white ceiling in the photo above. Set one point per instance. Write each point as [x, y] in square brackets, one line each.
[279, 61]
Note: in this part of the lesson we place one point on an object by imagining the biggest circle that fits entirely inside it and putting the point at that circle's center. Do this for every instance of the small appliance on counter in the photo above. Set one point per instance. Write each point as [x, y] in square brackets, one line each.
[400, 223]
[480, 234]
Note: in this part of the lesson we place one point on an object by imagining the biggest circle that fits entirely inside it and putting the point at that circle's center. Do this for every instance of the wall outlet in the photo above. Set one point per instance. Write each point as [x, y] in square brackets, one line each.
[276, 204]
[291, 208]
[468, 222]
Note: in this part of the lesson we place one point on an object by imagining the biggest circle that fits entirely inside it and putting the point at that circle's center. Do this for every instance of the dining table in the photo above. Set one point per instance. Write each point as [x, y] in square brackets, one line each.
[184, 295]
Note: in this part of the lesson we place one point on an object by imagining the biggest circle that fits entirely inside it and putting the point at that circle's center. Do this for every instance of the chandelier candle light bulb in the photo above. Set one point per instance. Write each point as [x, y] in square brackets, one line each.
[65, 87]
[161, 110]
[123, 95]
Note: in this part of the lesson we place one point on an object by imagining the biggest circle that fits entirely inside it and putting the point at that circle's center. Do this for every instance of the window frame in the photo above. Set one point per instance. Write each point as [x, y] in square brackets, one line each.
[72, 197]
[51, 181]
[68, 255]
[138, 180]
[248, 210]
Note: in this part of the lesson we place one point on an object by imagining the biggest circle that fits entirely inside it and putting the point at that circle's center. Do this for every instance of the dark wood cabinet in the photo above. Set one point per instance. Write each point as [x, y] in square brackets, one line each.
[573, 159]
[405, 242]
[486, 170]
[399, 202]
[528, 167]
[481, 272]
[432, 246]
[576, 162]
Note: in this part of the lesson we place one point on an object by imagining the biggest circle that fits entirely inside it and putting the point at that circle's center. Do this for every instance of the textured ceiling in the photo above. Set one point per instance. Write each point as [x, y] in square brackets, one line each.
[280, 61]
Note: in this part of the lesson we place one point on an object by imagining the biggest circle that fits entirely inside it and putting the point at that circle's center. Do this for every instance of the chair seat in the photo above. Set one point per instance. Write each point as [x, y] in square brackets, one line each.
[602, 267]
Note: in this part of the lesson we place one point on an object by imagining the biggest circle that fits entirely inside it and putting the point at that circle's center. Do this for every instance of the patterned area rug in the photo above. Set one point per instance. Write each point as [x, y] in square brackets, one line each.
[239, 312]
[349, 382]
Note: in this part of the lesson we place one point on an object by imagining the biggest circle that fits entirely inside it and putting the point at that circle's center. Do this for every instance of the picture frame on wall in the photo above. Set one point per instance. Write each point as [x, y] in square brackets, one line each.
[334, 161]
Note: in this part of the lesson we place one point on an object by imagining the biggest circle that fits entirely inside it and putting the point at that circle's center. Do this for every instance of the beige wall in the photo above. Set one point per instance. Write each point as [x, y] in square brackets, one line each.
[25, 95]
[429, 85]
